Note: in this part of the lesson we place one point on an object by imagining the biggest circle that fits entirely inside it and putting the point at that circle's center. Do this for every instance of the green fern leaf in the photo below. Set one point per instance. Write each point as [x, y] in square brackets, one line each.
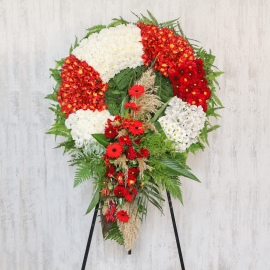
[115, 234]
[173, 186]
[83, 173]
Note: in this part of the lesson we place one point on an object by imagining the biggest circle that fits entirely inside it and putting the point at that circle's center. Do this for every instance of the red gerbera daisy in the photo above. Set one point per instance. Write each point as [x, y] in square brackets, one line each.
[136, 90]
[120, 191]
[136, 128]
[114, 150]
[122, 216]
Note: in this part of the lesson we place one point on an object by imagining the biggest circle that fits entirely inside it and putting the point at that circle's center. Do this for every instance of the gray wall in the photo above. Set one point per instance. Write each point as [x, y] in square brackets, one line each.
[224, 223]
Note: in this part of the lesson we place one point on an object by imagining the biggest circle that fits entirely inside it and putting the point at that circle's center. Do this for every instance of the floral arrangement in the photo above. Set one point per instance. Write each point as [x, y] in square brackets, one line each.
[132, 100]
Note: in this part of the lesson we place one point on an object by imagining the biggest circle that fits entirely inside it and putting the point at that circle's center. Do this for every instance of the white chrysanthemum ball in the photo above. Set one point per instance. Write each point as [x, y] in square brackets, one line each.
[83, 123]
[182, 123]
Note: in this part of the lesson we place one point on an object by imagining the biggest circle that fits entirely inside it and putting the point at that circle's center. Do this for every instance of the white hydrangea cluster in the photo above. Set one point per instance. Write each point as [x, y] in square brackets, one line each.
[182, 123]
[83, 123]
[112, 50]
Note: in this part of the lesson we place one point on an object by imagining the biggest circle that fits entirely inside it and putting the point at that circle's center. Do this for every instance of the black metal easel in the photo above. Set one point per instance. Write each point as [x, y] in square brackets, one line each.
[129, 252]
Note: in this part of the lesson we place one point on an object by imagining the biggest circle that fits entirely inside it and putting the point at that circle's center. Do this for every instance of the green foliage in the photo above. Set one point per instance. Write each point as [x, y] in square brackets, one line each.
[94, 29]
[117, 22]
[118, 87]
[174, 168]
[173, 185]
[150, 192]
[115, 234]
[94, 201]
[102, 139]
[165, 91]
[76, 44]
[157, 144]
[83, 172]
[159, 112]
[89, 165]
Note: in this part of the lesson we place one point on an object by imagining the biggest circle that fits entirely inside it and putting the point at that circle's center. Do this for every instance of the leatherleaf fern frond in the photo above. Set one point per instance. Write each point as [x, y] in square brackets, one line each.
[173, 184]
[115, 234]
[83, 172]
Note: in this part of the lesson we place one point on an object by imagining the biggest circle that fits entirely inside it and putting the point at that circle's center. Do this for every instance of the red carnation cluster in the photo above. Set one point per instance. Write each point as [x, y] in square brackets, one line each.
[162, 45]
[189, 83]
[81, 87]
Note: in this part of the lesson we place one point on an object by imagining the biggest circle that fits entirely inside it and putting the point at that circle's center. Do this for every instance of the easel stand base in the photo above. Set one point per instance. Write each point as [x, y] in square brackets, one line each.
[129, 252]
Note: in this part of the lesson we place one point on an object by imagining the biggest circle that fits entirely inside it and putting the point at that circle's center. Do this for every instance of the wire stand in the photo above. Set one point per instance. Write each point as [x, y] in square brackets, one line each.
[175, 231]
[129, 252]
[90, 237]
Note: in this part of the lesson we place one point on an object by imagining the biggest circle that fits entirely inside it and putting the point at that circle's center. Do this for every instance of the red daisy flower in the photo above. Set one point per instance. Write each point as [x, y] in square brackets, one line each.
[131, 181]
[174, 78]
[125, 140]
[136, 90]
[120, 191]
[204, 81]
[199, 62]
[132, 106]
[206, 92]
[114, 150]
[128, 197]
[131, 153]
[122, 216]
[134, 193]
[137, 140]
[133, 172]
[143, 153]
[136, 128]
[110, 132]
[120, 178]
[110, 171]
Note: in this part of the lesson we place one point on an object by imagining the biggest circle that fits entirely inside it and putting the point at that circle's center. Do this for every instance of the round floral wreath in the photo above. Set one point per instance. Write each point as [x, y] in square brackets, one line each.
[133, 100]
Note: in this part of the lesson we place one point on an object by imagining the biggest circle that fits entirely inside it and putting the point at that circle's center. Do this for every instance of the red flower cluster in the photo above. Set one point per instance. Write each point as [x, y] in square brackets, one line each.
[189, 83]
[111, 215]
[117, 183]
[81, 87]
[162, 45]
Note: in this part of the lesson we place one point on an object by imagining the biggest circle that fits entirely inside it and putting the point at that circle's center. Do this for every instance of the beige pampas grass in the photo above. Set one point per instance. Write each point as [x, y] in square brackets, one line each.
[130, 229]
[122, 162]
[149, 102]
[143, 166]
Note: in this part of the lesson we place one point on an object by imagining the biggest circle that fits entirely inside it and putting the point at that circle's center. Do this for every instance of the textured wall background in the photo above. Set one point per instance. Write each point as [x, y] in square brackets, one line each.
[225, 222]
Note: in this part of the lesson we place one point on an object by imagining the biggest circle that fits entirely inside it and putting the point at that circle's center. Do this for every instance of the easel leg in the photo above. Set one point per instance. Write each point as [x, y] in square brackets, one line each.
[175, 232]
[90, 237]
